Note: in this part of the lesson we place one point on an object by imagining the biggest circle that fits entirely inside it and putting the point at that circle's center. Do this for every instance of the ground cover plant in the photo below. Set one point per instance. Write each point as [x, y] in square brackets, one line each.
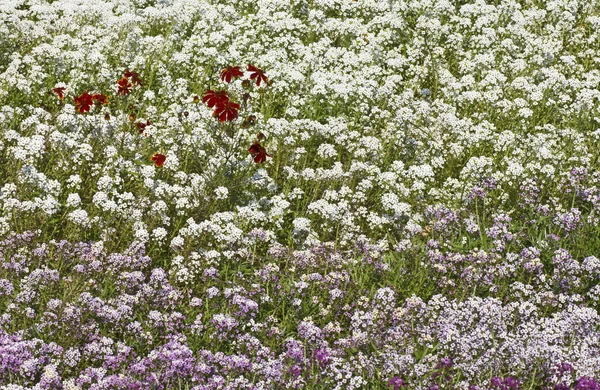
[299, 194]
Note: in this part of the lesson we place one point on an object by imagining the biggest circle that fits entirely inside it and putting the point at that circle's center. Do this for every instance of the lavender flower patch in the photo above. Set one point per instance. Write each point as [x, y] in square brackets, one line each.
[299, 195]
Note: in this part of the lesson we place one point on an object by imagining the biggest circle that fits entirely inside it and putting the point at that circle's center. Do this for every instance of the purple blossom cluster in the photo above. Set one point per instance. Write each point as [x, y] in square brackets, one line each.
[119, 322]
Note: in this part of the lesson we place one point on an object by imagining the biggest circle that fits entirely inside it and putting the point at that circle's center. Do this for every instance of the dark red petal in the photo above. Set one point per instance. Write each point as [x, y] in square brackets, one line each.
[159, 159]
[207, 95]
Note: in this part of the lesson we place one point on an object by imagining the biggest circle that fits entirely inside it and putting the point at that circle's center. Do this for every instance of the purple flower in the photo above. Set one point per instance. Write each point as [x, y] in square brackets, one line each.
[444, 363]
[295, 371]
[562, 386]
[397, 382]
[561, 368]
[586, 383]
[322, 356]
[508, 383]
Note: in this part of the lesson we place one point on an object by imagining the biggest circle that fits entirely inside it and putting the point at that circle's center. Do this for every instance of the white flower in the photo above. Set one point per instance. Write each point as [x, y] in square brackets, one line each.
[74, 181]
[159, 234]
[301, 225]
[73, 200]
[221, 193]
[79, 217]
[326, 151]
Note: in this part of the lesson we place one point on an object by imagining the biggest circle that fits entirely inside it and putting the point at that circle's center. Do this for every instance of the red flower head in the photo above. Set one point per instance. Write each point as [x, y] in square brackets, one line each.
[257, 74]
[59, 91]
[258, 152]
[226, 110]
[211, 98]
[84, 102]
[124, 86]
[159, 159]
[100, 98]
[141, 126]
[231, 72]
[134, 77]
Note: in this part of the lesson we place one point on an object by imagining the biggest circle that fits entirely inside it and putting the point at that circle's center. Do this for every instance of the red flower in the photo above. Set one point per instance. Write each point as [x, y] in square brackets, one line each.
[257, 74]
[226, 110]
[59, 91]
[258, 152]
[133, 76]
[142, 126]
[159, 159]
[84, 102]
[124, 86]
[100, 98]
[211, 98]
[231, 72]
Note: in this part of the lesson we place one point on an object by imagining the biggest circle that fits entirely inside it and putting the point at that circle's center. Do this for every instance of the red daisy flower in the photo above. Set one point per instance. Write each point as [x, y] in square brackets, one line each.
[124, 86]
[231, 72]
[226, 110]
[134, 76]
[258, 152]
[257, 74]
[211, 98]
[142, 126]
[100, 98]
[159, 159]
[84, 102]
[59, 91]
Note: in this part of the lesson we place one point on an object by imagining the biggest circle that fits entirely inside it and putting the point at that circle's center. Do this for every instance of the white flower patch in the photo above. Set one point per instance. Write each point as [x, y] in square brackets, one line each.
[422, 172]
[326, 210]
[159, 234]
[301, 226]
[73, 200]
[391, 203]
[326, 151]
[79, 217]
[221, 193]
[476, 168]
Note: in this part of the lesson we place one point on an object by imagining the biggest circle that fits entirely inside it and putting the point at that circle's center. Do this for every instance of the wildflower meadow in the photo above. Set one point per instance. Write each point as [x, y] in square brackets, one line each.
[300, 194]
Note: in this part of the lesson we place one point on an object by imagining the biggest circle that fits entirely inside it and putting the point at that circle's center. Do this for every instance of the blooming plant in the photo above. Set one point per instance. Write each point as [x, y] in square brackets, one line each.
[159, 159]
[124, 86]
[257, 75]
[226, 110]
[231, 72]
[60, 91]
[258, 152]
[212, 98]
